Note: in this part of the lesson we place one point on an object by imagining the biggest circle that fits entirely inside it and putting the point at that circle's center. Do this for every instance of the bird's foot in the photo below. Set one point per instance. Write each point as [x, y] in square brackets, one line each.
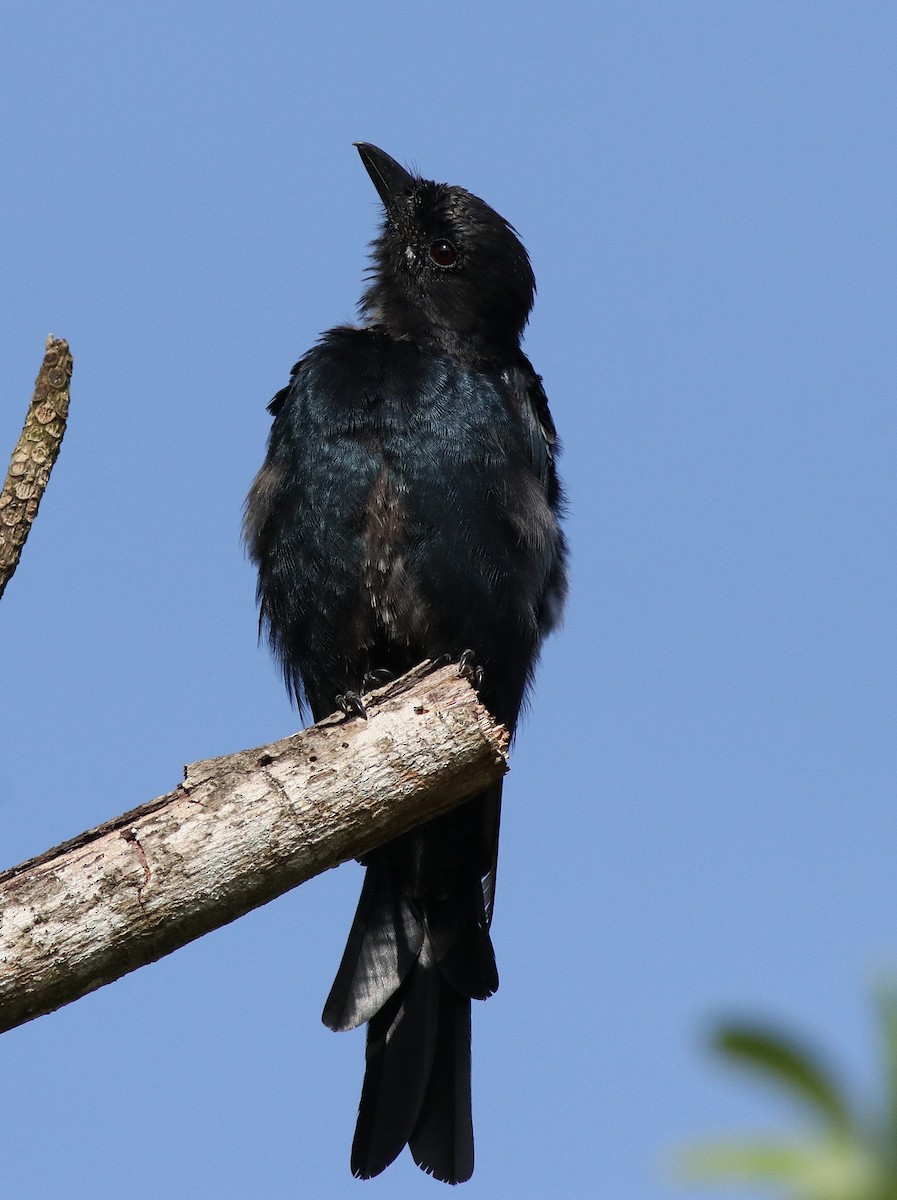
[468, 669]
[376, 678]
[351, 704]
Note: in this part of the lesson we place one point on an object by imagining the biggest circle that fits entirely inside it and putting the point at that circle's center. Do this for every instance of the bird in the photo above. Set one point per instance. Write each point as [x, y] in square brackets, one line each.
[409, 508]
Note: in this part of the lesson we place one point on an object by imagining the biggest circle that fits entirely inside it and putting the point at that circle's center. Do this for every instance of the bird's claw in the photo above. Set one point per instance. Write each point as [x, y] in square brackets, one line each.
[351, 704]
[468, 669]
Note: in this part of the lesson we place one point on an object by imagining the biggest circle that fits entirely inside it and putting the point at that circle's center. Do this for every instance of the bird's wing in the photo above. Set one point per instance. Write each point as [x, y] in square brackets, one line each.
[535, 415]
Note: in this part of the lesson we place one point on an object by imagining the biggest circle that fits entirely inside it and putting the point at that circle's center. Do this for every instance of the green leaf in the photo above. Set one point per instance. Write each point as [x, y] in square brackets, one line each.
[750, 1161]
[786, 1063]
[886, 997]
[887, 1007]
[833, 1168]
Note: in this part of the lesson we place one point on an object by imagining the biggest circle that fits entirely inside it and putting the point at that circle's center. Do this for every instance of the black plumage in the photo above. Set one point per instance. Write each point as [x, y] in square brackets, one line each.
[408, 508]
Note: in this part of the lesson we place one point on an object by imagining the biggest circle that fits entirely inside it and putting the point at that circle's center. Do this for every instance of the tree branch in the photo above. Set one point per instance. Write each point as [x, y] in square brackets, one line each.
[35, 453]
[237, 832]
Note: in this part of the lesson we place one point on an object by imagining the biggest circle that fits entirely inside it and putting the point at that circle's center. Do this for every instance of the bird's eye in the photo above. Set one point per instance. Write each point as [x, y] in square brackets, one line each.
[443, 253]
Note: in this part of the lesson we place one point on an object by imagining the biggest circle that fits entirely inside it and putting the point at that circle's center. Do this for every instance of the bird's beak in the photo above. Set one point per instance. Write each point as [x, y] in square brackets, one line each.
[390, 179]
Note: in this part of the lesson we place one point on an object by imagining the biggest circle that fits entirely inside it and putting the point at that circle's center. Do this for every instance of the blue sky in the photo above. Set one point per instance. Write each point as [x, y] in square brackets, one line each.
[700, 818]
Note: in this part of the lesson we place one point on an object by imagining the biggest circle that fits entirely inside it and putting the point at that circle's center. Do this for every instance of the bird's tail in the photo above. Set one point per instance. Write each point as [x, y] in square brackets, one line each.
[418, 952]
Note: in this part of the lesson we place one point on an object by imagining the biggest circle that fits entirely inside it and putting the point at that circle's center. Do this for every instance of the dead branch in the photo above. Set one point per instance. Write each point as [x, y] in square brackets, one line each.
[237, 832]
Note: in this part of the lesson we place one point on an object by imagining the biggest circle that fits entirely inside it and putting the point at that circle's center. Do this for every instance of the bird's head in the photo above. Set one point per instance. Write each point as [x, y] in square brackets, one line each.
[446, 266]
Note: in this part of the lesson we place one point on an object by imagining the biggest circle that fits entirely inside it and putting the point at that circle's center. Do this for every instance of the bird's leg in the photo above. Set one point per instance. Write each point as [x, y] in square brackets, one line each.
[468, 669]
